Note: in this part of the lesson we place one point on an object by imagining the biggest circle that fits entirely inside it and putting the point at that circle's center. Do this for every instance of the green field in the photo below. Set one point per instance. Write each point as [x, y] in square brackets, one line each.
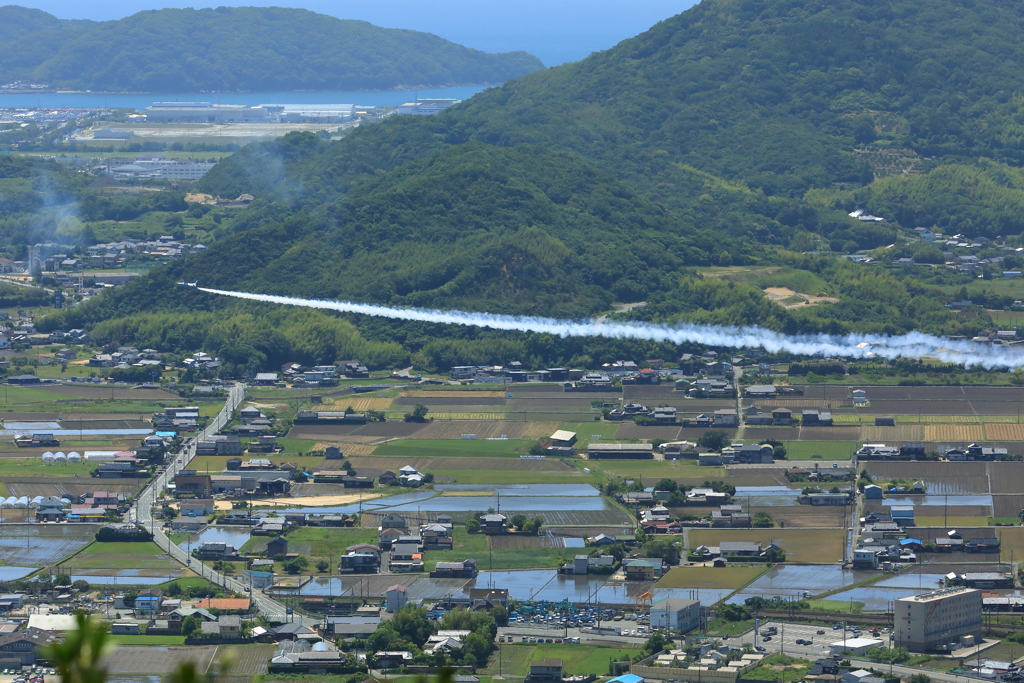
[317, 543]
[511, 448]
[656, 469]
[835, 606]
[121, 555]
[711, 577]
[293, 446]
[576, 659]
[828, 450]
[475, 546]
[35, 467]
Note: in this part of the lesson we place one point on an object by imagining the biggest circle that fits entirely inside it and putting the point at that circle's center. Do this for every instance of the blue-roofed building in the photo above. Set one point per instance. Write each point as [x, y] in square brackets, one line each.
[627, 678]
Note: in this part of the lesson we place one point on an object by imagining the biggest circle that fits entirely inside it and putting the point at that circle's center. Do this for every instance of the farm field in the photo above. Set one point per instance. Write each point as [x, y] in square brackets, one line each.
[711, 577]
[455, 447]
[804, 515]
[950, 520]
[576, 659]
[157, 661]
[806, 546]
[824, 450]
[317, 543]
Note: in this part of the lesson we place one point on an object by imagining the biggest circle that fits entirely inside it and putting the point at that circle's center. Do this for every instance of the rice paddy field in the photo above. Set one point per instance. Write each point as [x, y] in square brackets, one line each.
[804, 546]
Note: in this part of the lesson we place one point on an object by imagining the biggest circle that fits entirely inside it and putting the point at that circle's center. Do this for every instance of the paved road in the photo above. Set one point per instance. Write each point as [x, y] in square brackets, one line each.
[142, 512]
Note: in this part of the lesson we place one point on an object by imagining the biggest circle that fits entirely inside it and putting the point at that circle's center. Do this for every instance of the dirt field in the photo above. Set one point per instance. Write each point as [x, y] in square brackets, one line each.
[358, 403]
[632, 431]
[158, 660]
[1007, 477]
[710, 577]
[318, 432]
[1007, 506]
[319, 501]
[873, 434]
[1004, 432]
[954, 432]
[450, 400]
[809, 546]
[486, 429]
[425, 393]
[796, 516]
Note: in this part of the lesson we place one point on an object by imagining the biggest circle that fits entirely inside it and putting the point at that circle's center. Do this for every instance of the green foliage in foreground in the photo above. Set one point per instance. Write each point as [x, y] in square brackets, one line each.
[261, 49]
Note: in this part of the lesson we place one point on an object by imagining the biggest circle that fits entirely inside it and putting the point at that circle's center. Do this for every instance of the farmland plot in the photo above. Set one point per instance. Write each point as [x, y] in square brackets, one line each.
[954, 432]
[487, 429]
[1004, 432]
[1007, 477]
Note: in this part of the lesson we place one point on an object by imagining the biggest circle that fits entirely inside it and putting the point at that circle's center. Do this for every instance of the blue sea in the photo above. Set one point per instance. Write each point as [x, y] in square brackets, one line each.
[141, 101]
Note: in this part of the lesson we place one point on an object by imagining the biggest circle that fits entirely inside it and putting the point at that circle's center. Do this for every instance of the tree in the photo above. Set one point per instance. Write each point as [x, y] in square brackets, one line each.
[412, 624]
[322, 566]
[714, 440]
[518, 521]
[666, 484]
[733, 613]
[80, 585]
[920, 678]
[296, 565]
[473, 525]
[62, 579]
[762, 520]
[190, 626]
[418, 414]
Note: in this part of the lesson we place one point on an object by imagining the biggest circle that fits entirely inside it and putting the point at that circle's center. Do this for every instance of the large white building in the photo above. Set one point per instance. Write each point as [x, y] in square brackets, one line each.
[158, 167]
[677, 613]
[939, 620]
[204, 112]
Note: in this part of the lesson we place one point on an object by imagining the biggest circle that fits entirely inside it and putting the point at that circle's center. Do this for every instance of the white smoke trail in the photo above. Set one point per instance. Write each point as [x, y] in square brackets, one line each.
[913, 345]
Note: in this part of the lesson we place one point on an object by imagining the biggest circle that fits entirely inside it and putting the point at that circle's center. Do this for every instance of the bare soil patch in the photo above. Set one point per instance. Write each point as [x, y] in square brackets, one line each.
[787, 298]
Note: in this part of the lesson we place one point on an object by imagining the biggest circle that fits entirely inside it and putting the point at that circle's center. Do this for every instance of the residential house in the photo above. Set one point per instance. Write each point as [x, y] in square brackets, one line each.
[782, 417]
[466, 569]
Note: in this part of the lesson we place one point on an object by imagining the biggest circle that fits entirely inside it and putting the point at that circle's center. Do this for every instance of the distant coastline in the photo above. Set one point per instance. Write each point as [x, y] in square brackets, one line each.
[126, 100]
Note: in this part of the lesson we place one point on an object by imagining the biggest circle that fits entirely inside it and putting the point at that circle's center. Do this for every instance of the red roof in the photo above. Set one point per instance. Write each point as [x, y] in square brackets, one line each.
[241, 604]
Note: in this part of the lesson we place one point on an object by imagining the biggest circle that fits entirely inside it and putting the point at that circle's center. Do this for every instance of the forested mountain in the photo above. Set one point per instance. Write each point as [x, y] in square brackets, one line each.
[233, 49]
[738, 132]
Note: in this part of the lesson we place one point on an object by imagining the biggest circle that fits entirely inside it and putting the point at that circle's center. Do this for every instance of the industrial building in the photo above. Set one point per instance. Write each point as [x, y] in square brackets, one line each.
[310, 113]
[204, 112]
[940, 620]
[426, 106]
[677, 613]
[620, 451]
[159, 167]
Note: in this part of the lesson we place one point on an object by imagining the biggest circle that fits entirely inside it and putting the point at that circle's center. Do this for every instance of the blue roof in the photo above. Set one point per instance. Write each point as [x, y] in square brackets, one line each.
[627, 678]
[907, 541]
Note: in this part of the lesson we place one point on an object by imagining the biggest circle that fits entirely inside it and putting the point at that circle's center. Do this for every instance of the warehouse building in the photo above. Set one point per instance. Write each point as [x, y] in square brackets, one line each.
[941, 620]
[620, 451]
[204, 112]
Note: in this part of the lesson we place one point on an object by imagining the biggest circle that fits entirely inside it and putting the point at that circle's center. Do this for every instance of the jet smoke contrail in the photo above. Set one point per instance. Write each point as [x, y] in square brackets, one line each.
[913, 345]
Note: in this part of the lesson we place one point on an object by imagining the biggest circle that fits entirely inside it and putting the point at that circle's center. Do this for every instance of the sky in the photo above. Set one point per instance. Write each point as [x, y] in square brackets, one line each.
[556, 31]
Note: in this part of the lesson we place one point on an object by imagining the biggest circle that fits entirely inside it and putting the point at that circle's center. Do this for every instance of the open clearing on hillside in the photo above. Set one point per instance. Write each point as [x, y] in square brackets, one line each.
[787, 298]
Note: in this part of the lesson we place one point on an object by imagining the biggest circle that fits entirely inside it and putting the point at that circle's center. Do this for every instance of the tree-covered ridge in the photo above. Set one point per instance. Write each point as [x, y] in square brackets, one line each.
[775, 94]
[246, 48]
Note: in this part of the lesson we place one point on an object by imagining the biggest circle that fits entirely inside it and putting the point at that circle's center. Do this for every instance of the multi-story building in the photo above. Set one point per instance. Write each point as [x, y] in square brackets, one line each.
[939, 620]
[677, 613]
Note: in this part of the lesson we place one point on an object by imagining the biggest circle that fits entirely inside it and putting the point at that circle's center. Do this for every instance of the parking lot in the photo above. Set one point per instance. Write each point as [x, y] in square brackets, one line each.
[788, 634]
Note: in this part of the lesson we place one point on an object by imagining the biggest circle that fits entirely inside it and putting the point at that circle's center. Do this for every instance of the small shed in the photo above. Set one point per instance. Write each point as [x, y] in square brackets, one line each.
[277, 546]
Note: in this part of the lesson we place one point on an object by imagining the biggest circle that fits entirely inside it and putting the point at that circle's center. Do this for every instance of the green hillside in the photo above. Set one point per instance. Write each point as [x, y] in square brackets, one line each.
[736, 134]
[258, 49]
